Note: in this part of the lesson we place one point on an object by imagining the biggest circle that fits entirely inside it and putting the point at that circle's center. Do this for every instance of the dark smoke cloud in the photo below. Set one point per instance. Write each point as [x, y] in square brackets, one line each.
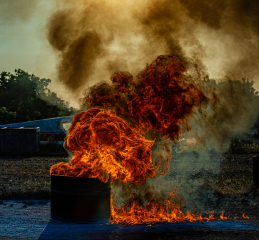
[218, 14]
[238, 20]
[79, 48]
[145, 29]
[98, 38]
[123, 36]
[78, 60]
[85, 33]
[13, 11]
[243, 19]
[165, 23]
[82, 32]
[161, 21]
[60, 34]
[207, 12]
[245, 13]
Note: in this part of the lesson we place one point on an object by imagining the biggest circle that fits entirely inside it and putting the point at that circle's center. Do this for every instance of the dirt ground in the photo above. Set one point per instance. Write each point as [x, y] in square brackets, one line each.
[29, 178]
[26, 177]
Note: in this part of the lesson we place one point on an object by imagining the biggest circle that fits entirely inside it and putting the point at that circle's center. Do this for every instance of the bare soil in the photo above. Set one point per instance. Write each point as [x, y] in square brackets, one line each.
[236, 175]
[29, 177]
[26, 177]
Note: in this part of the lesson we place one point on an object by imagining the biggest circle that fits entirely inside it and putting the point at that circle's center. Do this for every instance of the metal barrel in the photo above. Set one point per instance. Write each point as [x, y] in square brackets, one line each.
[256, 170]
[77, 199]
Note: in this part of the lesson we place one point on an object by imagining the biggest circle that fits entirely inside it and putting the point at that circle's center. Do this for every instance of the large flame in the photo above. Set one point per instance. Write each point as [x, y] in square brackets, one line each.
[161, 98]
[106, 147]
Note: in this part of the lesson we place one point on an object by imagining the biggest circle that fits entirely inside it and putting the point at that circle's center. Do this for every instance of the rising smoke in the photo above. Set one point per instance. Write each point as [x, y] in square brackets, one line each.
[96, 38]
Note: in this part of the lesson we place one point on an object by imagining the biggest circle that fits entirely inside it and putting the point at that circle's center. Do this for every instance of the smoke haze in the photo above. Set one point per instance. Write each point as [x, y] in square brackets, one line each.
[214, 38]
[96, 38]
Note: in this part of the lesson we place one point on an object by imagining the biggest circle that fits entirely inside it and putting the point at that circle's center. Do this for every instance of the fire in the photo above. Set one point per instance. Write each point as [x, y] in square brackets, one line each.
[152, 213]
[157, 212]
[104, 146]
[107, 147]
[161, 98]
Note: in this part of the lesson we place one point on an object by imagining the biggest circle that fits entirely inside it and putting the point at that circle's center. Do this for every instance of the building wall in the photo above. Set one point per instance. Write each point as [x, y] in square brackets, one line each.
[19, 141]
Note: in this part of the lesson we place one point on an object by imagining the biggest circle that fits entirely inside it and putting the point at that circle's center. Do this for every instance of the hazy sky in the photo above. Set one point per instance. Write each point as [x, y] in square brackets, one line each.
[23, 41]
[125, 35]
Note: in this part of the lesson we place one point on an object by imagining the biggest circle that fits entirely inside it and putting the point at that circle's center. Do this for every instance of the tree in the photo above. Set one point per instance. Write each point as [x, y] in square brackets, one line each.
[25, 97]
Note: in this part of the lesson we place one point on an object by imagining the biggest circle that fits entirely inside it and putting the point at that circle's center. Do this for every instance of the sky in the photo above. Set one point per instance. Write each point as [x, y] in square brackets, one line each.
[23, 41]
[77, 44]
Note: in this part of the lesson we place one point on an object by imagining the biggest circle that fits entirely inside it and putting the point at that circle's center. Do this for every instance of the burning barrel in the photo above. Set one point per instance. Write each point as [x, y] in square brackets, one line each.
[105, 148]
[77, 199]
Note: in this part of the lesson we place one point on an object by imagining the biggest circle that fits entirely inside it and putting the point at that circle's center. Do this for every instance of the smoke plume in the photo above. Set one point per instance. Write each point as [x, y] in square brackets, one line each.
[94, 39]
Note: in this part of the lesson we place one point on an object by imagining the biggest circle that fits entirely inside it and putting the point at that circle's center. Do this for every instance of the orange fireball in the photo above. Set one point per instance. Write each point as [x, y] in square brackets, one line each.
[161, 98]
[104, 146]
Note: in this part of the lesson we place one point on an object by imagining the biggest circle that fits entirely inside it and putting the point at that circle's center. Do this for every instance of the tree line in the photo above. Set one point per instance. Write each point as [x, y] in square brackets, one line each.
[26, 97]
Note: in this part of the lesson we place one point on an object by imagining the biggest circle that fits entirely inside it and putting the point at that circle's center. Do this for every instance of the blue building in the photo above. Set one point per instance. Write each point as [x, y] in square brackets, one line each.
[50, 129]
[47, 126]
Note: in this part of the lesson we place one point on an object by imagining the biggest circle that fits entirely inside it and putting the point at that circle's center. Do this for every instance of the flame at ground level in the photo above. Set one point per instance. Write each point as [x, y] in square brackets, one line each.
[106, 147]
[157, 212]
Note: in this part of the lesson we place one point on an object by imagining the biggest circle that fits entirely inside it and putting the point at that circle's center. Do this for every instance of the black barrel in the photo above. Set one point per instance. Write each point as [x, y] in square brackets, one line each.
[256, 170]
[81, 200]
